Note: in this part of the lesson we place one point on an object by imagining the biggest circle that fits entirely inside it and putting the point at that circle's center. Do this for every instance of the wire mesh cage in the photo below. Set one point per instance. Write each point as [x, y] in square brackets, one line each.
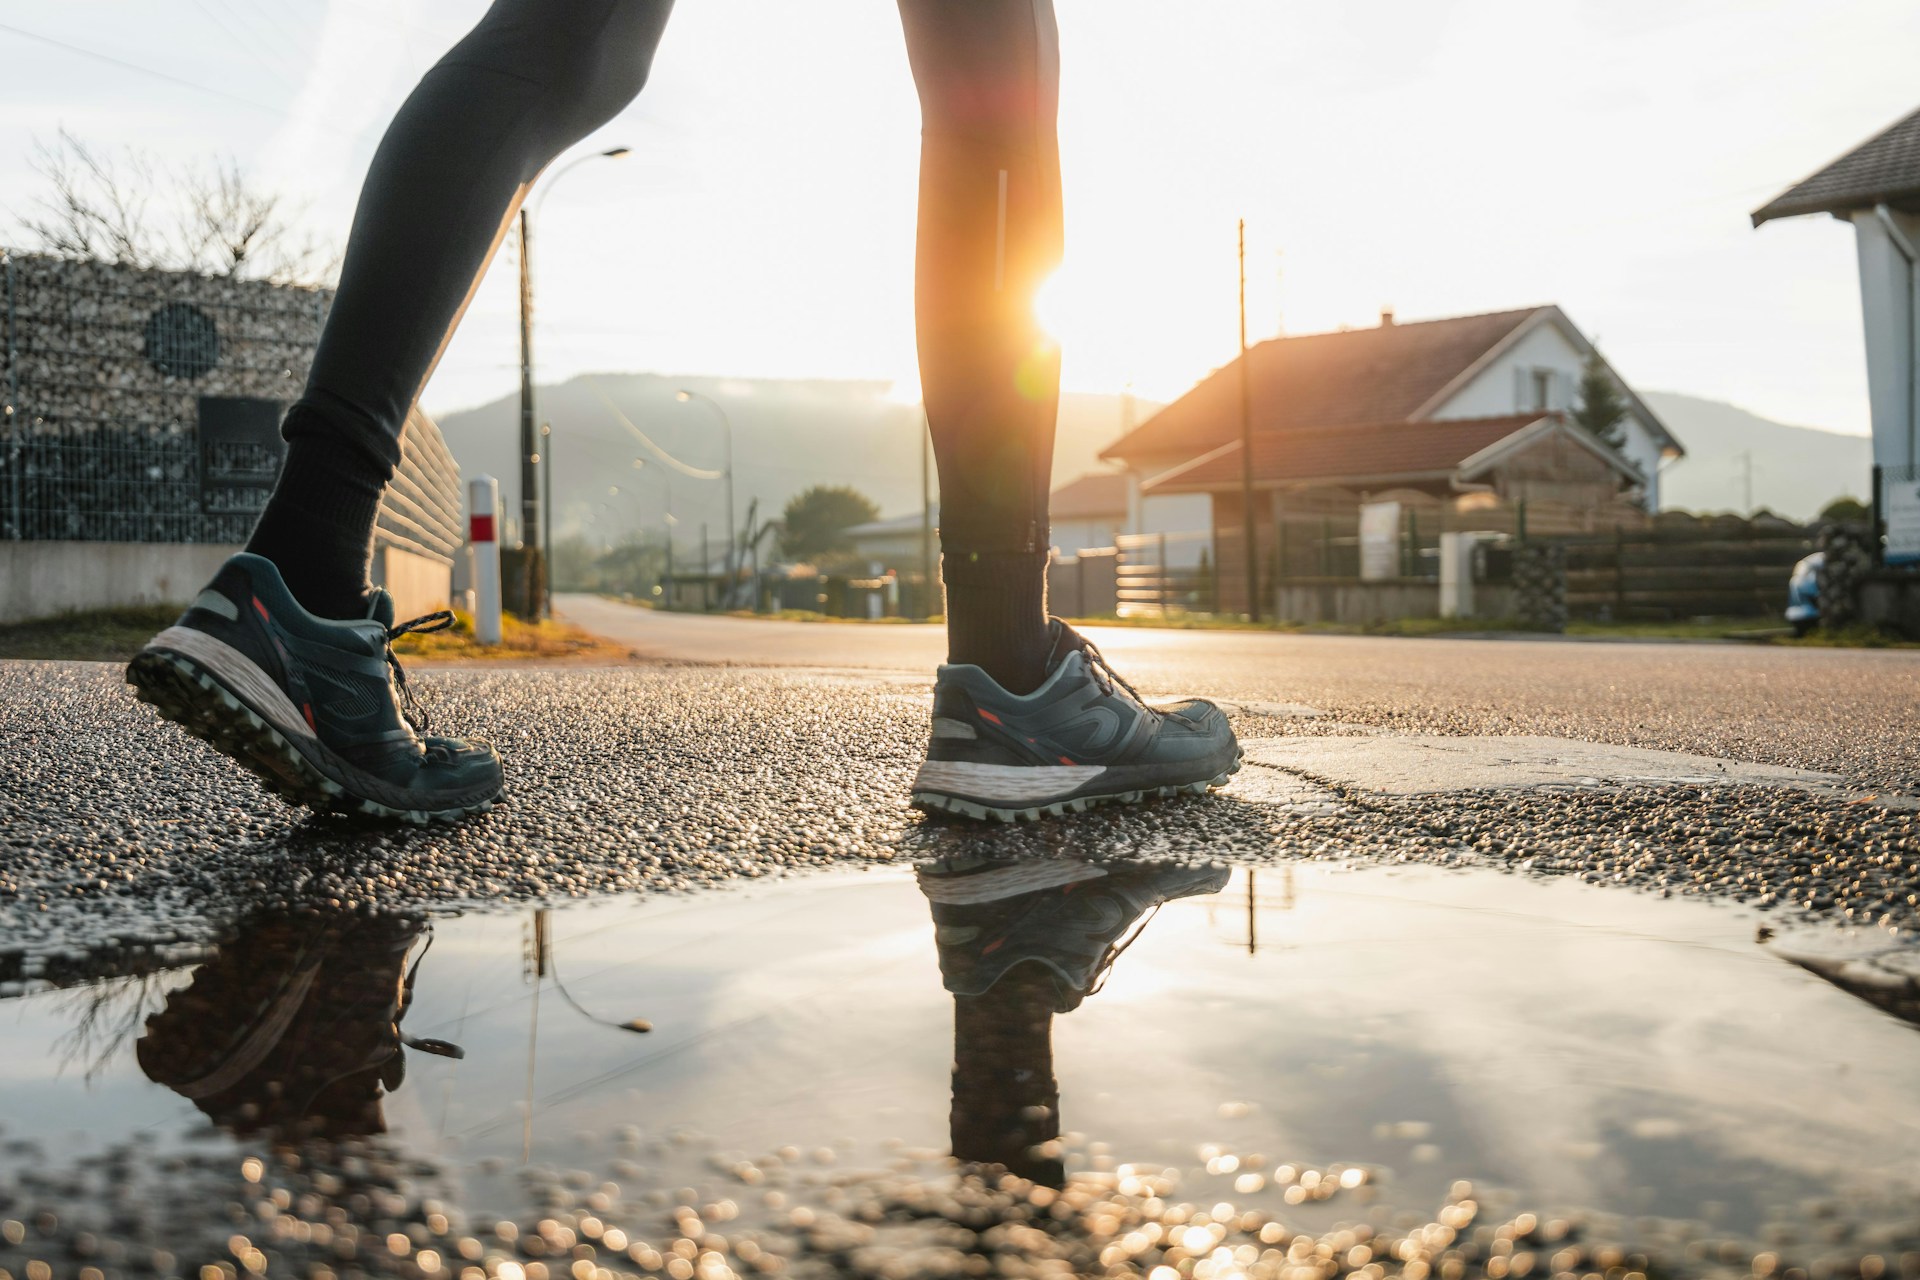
[143, 406]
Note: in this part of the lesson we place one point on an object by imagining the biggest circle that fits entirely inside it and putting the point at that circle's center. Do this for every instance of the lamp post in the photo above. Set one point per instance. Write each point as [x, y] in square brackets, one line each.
[683, 397]
[536, 534]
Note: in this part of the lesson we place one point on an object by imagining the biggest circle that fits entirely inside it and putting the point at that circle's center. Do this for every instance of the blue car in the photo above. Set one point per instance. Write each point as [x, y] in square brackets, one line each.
[1803, 593]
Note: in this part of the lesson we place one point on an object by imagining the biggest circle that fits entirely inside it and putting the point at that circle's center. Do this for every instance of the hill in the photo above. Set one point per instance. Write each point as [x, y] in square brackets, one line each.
[788, 434]
[1796, 470]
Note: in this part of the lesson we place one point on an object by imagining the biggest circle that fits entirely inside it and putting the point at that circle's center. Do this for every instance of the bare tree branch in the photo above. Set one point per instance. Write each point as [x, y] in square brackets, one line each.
[98, 208]
[222, 224]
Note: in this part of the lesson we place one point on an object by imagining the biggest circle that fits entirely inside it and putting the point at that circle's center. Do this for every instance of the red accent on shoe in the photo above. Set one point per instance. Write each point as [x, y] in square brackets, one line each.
[260, 609]
[988, 715]
[307, 707]
[1064, 760]
[993, 946]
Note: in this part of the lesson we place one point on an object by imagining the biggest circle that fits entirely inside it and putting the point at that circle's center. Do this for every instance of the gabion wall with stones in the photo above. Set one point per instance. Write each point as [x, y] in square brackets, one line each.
[1540, 586]
[1848, 561]
[109, 376]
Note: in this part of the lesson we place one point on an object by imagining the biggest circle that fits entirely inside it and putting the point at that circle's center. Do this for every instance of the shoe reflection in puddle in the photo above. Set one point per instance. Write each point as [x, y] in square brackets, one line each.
[292, 1030]
[1020, 942]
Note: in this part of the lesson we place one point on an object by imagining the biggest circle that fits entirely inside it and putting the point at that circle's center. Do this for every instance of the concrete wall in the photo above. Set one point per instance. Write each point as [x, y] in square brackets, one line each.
[1892, 601]
[1352, 602]
[418, 584]
[44, 579]
[41, 579]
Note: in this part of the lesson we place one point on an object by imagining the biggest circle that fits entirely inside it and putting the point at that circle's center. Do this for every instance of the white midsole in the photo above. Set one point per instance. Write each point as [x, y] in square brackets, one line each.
[1009, 783]
[237, 671]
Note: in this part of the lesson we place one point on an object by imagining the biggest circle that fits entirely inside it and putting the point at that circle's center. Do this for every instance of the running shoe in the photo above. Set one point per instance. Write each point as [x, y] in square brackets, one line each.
[320, 710]
[1083, 738]
[989, 917]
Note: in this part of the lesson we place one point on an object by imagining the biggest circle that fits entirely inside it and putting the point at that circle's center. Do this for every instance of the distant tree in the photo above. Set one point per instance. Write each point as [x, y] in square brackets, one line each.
[1845, 510]
[815, 523]
[99, 208]
[1602, 407]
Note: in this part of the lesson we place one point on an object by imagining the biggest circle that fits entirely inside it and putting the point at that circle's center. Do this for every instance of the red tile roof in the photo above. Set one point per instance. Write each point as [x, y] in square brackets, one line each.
[1101, 493]
[1379, 454]
[1324, 380]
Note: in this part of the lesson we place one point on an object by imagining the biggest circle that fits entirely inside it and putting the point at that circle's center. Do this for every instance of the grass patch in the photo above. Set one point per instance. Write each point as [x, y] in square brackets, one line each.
[519, 641]
[1855, 637]
[115, 635]
[98, 635]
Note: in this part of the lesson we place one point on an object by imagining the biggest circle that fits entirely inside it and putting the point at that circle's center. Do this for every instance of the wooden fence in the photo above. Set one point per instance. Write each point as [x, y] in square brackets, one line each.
[1731, 569]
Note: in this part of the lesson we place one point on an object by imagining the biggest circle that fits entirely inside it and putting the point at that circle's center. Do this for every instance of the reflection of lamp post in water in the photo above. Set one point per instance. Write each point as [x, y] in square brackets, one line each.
[541, 962]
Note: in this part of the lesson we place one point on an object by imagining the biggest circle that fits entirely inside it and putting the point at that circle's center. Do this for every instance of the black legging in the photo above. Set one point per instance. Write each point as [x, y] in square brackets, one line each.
[536, 76]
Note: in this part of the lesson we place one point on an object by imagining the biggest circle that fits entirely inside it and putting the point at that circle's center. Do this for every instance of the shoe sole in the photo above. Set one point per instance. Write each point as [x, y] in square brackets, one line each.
[940, 802]
[194, 697]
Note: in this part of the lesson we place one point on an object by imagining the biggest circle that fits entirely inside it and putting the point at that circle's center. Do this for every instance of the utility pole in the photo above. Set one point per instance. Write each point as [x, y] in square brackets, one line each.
[1248, 541]
[546, 505]
[535, 534]
[668, 476]
[529, 444]
[1746, 477]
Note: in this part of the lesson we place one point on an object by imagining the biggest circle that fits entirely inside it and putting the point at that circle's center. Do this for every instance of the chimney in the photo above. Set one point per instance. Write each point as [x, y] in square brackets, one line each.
[1386, 317]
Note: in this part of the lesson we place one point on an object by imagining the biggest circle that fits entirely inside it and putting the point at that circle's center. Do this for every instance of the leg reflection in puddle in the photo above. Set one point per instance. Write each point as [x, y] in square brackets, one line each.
[1021, 942]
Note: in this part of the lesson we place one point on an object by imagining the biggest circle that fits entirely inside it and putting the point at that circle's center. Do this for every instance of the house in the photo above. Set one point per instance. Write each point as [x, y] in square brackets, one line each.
[1460, 419]
[896, 543]
[1876, 188]
[1089, 512]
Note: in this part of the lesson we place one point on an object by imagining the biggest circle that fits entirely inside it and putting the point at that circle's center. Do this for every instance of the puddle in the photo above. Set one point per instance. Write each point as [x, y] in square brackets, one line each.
[1417, 764]
[1309, 1045]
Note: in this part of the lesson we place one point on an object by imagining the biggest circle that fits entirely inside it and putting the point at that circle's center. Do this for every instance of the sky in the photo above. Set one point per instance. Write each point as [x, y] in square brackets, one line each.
[1435, 157]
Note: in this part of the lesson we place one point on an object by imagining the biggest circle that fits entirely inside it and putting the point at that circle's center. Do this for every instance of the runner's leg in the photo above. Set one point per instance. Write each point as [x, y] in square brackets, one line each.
[534, 77]
[989, 233]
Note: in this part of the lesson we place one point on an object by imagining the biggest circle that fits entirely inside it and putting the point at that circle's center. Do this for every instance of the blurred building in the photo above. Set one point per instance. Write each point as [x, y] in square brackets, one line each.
[1090, 511]
[139, 437]
[1462, 422]
[1876, 188]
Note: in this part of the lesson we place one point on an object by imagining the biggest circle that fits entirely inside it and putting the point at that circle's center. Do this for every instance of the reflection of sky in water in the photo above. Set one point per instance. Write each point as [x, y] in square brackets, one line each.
[1591, 1049]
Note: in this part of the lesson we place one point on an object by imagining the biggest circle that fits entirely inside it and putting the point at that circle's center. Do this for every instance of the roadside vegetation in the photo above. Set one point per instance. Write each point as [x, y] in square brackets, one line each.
[99, 635]
[115, 635]
[547, 639]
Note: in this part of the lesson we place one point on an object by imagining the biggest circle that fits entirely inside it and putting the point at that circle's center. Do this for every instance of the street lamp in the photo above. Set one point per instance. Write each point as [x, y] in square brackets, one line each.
[537, 532]
[732, 535]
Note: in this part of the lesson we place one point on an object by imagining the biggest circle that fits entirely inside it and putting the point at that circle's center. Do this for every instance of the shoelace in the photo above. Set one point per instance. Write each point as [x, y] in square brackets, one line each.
[1103, 673]
[416, 715]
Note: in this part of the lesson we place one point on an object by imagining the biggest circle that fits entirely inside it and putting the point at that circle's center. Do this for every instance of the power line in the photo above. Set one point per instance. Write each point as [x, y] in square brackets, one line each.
[145, 71]
[238, 43]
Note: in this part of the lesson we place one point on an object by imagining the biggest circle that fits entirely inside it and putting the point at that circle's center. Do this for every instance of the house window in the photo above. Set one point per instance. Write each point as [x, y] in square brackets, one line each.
[1542, 389]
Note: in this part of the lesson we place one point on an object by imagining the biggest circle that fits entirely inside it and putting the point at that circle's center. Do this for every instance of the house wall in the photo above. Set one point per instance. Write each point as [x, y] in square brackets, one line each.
[1889, 302]
[1504, 387]
[1070, 536]
[1166, 513]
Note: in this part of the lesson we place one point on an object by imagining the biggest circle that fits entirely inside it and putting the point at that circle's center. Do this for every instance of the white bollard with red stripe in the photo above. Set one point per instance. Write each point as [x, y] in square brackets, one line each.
[483, 545]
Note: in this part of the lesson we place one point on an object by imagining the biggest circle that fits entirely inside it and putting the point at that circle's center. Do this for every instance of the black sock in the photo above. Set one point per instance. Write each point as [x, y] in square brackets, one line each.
[317, 527]
[997, 615]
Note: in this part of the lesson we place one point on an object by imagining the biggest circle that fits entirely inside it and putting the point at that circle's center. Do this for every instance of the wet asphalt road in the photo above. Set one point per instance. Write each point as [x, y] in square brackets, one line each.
[116, 830]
